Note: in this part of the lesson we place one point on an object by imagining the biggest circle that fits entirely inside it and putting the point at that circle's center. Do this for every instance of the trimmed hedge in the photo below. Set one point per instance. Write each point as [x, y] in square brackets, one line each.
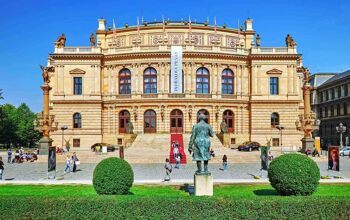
[134, 207]
[294, 174]
[113, 176]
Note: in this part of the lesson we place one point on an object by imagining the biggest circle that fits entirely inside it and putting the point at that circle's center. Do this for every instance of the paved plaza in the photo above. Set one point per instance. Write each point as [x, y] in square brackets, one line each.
[154, 173]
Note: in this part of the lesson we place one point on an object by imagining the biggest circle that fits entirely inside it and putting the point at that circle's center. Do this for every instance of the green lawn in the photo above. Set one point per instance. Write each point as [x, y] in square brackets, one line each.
[232, 191]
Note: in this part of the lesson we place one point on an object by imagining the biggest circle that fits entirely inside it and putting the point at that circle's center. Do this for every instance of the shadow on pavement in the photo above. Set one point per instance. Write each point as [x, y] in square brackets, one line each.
[266, 192]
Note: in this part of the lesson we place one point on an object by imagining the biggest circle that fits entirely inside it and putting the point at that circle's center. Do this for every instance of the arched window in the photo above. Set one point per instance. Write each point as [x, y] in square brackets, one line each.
[227, 81]
[202, 81]
[228, 117]
[150, 121]
[150, 80]
[124, 81]
[275, 120]
[77, 120]
[206, 113]
[124, 118]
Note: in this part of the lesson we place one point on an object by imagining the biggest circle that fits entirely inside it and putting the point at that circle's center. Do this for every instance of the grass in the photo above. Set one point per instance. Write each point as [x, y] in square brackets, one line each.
[222, 191]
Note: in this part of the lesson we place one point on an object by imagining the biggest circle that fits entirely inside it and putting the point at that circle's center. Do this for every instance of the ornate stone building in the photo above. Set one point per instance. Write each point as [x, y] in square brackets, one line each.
[126, 77]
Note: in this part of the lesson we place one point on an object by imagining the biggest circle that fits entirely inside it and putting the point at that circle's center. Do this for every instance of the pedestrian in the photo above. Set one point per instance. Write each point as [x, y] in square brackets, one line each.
[178, 160]
[75, 162]
[168, 170]
[270, 156]
[9, 155]
[224, 162]
[68, 168]
[1, 168]
[176, 151]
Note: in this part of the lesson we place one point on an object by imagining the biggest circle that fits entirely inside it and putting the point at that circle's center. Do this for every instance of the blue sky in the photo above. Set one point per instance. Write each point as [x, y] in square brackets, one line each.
[29, 28]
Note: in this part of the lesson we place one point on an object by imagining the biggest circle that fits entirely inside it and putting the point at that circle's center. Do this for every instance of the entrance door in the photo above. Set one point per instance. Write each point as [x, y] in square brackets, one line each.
[228, 117]
[150, 122]
[124, 118]
[176, 121]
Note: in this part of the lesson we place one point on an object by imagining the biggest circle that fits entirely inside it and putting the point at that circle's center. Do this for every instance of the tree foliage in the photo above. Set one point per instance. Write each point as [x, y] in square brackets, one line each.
[17, 126]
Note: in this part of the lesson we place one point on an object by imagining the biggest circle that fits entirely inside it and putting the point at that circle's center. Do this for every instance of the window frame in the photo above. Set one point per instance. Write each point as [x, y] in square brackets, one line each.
[226, 84]
[152, 75]
[126, 89]
[77, 87]
[274, 120]
[200, 75]
[79, 123]
[274, 86]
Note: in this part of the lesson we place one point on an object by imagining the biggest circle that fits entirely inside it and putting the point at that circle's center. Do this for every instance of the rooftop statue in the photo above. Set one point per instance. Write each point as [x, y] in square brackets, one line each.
[45, 73]
[258, 40]
[200, 144]
[92, 40]
[61, 41]
[290, 41]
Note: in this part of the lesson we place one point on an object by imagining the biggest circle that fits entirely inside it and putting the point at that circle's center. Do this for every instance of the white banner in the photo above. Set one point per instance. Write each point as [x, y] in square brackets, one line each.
[176, 69]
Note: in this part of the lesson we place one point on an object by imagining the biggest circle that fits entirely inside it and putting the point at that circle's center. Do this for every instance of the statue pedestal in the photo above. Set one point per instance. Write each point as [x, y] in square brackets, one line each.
[203, 185]
[44, 144]
[226, 140]
[308, 143]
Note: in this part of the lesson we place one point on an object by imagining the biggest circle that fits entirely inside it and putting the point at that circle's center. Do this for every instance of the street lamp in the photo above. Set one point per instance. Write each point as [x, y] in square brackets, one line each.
[341, 129]
[64, 127]
[280, 128]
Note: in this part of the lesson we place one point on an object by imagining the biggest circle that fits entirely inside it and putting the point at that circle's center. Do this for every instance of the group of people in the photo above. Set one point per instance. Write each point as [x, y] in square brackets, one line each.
[21, 156]
[71, 163]
[177, 155]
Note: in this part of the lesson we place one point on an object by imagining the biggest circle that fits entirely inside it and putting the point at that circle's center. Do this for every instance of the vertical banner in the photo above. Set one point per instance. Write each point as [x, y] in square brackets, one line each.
[176, 69]
[318, 144]
[264, 157]
[333, 158]
[52, 159]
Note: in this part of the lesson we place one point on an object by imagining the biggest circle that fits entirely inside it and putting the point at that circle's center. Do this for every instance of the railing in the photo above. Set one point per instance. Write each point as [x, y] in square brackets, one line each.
[274, 50]
[79, 50]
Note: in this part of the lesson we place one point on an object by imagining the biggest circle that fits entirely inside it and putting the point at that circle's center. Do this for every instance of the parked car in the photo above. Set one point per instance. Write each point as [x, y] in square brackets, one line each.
[345, 151]
[249, 146]
[98, 147]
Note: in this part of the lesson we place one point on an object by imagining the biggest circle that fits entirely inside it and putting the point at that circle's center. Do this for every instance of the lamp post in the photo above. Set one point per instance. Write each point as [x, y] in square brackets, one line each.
[280, 128]
[63, 128]
[341, 129]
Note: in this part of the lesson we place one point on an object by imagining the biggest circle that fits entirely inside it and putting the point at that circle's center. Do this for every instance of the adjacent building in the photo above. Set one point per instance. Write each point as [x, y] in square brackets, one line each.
[160, 75]
[331, 103]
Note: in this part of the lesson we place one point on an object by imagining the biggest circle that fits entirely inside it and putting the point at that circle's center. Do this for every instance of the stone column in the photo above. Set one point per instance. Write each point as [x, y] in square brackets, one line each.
[213, 77]
[167, 69]
[57, 80]
[93, 69]
[159, 78]
[219, 78]
[187, 88]
[258, 80]
[193, 78]
[254, 79]
[162, 78]
[116, 80]
[237, 89]
[140, 77]
[296, 87]
[62, 73]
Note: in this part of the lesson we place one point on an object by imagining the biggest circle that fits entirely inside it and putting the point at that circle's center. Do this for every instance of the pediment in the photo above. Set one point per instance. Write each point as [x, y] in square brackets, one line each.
[274, 71]
[77, 71]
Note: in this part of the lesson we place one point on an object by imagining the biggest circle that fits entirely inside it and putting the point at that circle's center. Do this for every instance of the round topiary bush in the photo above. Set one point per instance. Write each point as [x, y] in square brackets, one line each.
[294, 174]
[113, 176]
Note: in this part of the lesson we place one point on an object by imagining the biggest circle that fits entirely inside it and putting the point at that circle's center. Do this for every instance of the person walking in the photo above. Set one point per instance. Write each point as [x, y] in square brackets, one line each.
[176, 151]
[178, 160]
[224, 162]
[168, 170]
[1, 168]
[68, 168]
[75, 162]
[9, 155]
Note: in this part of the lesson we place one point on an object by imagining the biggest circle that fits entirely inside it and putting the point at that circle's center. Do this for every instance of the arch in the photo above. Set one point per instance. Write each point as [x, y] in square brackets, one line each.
[275, 119]
[227, 81]
[76, 120]
[206, 113]
[150, 121]
[228, 117]
[202, 81]
[150, 80]
[124, 81]
[176, 121]
[124, 118]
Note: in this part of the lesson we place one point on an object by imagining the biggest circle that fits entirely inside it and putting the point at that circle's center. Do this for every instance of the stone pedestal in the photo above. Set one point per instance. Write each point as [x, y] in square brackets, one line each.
[203, 185]
[308, 143]
[226, 141]
[44, 144]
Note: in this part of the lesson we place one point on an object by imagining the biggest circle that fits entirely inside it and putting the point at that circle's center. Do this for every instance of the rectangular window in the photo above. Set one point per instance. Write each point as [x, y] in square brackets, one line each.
[333, 93]
[346, 90]
[233, 140]
[78, 85]
[321, 97]
[345, 106]
[76, 142]
[339, 92]
[274, 85]
[275, 142]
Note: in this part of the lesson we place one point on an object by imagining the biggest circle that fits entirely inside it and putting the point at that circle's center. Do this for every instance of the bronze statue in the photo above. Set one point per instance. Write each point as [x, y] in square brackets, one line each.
[129, 128]
[223, 127]
[61, 41]
[45, 73]
[288, 41]
[200, 144]
[92, 40]
[258, 40]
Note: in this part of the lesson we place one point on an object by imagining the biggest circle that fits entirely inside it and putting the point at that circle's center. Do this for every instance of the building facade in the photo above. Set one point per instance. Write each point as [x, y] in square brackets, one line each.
[126, 77]
[332, 103]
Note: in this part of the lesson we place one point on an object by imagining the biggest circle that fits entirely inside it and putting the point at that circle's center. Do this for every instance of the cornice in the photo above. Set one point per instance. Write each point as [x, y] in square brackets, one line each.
[274, 56]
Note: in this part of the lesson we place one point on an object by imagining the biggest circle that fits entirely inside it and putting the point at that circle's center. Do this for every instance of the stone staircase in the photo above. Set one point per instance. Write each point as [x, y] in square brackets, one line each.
[148, 148]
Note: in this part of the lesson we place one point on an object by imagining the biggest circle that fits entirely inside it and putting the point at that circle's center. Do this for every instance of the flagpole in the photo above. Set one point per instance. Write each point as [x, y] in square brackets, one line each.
[138, 26]
[215, 25]
[239, 34]
[163, 24]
